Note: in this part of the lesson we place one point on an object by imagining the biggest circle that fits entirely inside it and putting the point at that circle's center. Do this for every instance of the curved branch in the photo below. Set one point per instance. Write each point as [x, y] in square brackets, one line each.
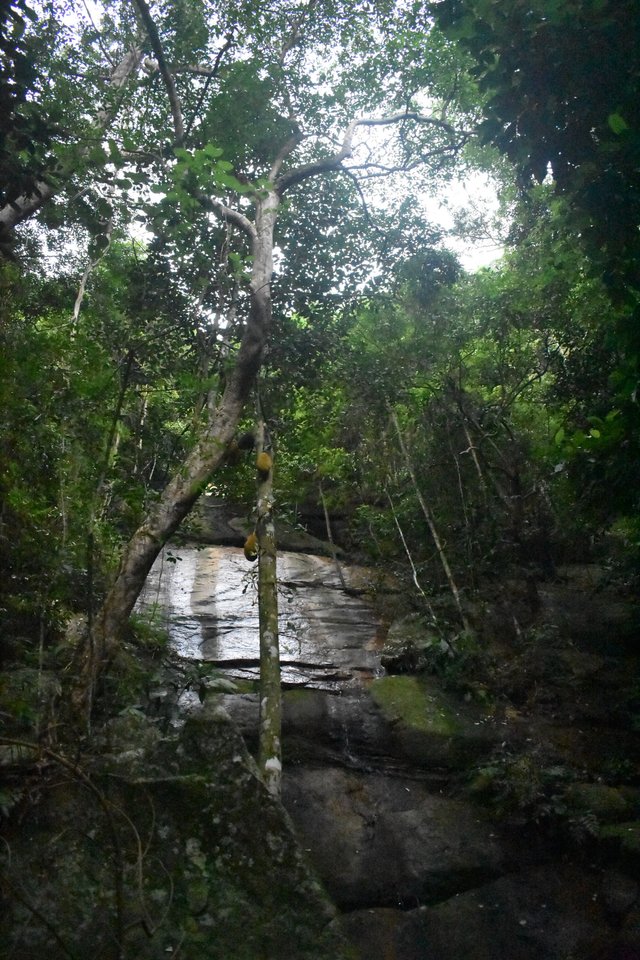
[24, 206]
[293, 141]
[231, 216]
[213, 72]
[318, 166]
[331, 163]
[407, 115]
[156, 45]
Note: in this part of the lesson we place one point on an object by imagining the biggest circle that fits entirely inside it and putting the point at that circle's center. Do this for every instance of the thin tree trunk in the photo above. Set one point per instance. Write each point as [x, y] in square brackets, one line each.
[88, 270]
[332, 545]
[270, 752]
[474, 455]
[98, 510]
[432, 527]
[409, 557]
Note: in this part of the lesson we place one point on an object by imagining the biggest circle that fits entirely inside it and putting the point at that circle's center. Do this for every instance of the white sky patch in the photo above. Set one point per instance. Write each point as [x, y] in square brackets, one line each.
[465, 206]
[475, 198]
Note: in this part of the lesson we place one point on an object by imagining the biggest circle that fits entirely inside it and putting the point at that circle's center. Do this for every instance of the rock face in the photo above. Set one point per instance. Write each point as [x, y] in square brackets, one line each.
[207, 597]
[389, 841]
[547, 912]
[378, 768]
[172, 848]
[217, 522]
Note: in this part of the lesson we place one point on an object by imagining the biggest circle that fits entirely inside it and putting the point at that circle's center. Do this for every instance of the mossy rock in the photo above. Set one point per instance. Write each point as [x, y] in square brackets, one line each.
[429, 726]
[416, 704]
[606, 803]
[409, 645]
[166, 845]
[625, 837]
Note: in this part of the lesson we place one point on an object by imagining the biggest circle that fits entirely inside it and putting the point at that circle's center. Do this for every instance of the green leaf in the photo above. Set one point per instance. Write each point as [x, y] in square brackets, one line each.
[226, 180]
[617, 123]
[97, 155]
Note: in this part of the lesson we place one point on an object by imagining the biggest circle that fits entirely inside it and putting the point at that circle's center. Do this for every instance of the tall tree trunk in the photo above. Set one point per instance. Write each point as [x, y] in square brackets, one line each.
[270, 753]
[185, 487]
[332, 546]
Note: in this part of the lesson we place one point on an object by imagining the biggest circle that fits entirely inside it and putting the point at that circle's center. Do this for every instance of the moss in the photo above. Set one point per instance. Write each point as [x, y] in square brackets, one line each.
[246, 686]
[607, 803]
[298, 695]
[188, 855]
[414, 703]
[627, 834]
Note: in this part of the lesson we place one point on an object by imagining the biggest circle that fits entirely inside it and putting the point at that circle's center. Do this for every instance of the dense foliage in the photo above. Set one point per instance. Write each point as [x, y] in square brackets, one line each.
[561, 84]
[449, 422]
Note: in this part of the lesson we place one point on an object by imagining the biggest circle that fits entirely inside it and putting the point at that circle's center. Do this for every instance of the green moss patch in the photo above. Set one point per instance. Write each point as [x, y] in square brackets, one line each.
[414, 703]
[627, 834]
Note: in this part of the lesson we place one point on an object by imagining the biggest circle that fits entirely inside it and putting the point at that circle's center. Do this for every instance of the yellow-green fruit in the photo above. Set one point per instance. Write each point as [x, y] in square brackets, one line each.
[264, 462]
[251, 547]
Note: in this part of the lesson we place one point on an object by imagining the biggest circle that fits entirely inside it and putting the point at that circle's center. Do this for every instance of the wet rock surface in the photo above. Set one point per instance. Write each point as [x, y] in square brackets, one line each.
[381, 770]
[207, 598]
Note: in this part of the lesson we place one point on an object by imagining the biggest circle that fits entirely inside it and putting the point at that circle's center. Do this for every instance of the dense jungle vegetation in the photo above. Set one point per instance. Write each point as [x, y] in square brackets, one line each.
[206, 200]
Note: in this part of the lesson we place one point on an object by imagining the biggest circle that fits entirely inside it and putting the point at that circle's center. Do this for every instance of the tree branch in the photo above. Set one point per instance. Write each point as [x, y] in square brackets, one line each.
[24, 206]
[230, 215]
[156, 45]
[210, 75]
[288, 148]
[302, 173]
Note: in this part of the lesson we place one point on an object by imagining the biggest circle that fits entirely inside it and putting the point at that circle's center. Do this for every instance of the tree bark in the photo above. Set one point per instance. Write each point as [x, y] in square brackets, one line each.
[270, 751]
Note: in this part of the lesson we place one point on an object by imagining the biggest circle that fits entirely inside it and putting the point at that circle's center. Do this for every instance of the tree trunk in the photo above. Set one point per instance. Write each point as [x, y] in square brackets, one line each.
[183, 490]
[270, 753]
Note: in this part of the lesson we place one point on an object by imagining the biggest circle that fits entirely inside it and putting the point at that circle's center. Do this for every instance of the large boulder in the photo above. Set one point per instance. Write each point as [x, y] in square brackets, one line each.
[387, 841]
[166, 846]
[548, 913]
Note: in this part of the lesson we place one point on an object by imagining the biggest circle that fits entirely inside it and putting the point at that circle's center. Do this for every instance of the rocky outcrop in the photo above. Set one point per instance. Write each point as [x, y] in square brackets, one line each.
[547, 913]
[389, 841]
[166, 847]
[219, 522]
[478, 818]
